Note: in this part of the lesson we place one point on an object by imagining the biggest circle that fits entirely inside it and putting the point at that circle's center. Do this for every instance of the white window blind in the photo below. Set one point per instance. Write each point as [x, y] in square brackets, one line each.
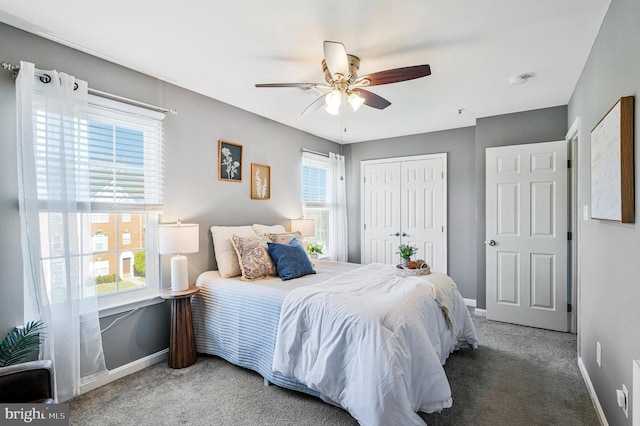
[315, 195]
[119, 146]
[314, 181]
[125, 157]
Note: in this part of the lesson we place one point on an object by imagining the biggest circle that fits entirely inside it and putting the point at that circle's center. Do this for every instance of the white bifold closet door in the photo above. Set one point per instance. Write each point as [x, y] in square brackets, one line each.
[404, 201]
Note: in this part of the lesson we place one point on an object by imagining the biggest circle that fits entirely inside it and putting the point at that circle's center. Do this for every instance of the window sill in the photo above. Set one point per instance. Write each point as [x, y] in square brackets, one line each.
[145, 301]
[324, 257]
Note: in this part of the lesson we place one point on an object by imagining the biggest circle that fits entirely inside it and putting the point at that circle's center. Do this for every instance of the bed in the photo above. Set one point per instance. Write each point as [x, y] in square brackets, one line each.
[358, 336]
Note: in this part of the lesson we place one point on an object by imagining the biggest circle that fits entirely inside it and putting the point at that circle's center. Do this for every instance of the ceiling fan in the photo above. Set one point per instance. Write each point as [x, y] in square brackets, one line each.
[341, 75]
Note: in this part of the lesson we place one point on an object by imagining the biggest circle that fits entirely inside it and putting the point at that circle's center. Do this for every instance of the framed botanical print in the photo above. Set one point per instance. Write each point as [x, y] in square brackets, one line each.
[260, 182]
[229, 161]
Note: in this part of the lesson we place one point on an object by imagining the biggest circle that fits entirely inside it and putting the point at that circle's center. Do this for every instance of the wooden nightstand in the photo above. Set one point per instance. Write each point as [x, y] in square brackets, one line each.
[182, 344]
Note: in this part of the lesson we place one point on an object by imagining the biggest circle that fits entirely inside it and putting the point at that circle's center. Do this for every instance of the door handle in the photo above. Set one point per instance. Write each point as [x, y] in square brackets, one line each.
[397, 234]
[404, 234]
[490, 242]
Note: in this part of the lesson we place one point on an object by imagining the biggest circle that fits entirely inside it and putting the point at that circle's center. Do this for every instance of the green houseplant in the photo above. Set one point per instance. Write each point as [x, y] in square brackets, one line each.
[314, 249]
[20, 342]
[406, 251]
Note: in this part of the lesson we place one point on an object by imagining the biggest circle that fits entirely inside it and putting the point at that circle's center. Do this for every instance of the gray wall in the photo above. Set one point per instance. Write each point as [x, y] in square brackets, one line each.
[542, 125]
[610, 252]
[459, 144]
[141, 333]
[192, 191]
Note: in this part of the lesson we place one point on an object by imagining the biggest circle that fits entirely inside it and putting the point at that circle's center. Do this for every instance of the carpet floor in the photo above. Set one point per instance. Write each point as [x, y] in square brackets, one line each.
[518, 376]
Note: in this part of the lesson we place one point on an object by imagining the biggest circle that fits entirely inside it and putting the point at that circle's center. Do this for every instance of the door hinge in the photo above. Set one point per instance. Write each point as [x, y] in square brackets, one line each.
[364, 179]
[569, 164]
[569, 307]
[365, 226]
[569, 235]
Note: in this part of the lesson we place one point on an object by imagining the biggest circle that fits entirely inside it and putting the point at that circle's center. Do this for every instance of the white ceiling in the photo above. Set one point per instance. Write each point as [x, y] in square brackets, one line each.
[222, 48]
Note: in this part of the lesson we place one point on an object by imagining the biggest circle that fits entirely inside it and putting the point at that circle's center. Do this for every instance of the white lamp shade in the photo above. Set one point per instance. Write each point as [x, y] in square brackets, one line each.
[356, 101]
[306, 227]
[334, 99]
[178, 238]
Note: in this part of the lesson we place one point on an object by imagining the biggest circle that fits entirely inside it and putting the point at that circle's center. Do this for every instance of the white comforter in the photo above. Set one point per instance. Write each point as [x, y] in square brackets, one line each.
[371, 342]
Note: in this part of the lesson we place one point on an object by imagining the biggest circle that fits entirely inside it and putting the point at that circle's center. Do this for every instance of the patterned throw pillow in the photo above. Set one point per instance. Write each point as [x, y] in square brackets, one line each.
[253, 257]
[284, 237]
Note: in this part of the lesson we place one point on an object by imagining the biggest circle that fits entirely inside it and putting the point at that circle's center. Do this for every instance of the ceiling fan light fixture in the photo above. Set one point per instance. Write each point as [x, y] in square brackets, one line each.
[333, 109]
[355, 100]
[334, 99]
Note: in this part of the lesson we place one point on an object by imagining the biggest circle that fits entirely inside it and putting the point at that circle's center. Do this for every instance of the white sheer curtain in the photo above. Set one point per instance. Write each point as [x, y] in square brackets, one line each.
[54, 200]
[338, 244]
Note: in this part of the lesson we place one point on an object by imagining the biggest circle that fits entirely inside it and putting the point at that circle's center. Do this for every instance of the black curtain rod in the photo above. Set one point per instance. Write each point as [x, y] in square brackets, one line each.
[15, 68]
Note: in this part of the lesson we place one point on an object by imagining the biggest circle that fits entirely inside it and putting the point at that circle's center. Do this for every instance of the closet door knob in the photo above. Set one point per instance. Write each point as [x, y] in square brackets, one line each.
[397, 234]
[404, 234]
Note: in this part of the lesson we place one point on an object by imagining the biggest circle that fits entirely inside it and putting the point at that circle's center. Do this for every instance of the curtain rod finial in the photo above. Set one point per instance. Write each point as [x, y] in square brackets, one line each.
[9, 67]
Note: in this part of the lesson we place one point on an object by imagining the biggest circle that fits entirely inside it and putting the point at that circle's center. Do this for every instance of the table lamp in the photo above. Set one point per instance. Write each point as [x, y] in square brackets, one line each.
[306, 227]
[178, 239]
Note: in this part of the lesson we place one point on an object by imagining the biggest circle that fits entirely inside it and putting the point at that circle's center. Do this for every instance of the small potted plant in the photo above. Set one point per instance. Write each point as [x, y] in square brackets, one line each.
[406, 251]
[314, 250]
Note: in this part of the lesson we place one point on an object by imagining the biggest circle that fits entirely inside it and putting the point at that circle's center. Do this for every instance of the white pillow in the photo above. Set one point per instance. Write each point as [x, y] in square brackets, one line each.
[226, 256]
[266, 229]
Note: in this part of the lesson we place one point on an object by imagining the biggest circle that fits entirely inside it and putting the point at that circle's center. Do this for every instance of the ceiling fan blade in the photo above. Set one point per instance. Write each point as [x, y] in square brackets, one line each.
[372, 100]
[315, 105]
[396, 75]
[336, 57]
[305, 86]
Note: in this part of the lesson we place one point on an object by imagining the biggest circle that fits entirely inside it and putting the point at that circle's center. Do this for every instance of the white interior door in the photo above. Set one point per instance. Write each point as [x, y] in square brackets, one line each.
[526, 234]
[404, 202]
[423, 217]
[381, 212]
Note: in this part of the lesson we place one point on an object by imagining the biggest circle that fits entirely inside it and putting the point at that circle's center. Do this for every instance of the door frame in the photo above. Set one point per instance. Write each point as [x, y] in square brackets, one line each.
[445, 186]
[575, 224]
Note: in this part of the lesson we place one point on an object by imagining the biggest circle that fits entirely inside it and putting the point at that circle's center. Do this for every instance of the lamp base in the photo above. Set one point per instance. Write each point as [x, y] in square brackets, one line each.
[179, 273]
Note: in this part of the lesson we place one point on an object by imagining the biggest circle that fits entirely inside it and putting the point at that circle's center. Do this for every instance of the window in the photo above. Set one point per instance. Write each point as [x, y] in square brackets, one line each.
[121, 146]
[100, 242]
[126, 237]
[99, 218]
[56, 242]
[100, 268]
[315, 196]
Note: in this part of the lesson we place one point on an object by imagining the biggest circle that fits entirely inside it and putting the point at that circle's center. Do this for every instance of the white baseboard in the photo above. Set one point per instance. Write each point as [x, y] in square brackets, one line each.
[470, 302]
[125, 370]
[480, 312]
[592, 393]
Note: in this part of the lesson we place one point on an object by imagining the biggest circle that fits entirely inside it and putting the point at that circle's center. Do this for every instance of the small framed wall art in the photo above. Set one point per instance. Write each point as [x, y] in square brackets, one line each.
[612, 192]
[260, 182]
[229, 161]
